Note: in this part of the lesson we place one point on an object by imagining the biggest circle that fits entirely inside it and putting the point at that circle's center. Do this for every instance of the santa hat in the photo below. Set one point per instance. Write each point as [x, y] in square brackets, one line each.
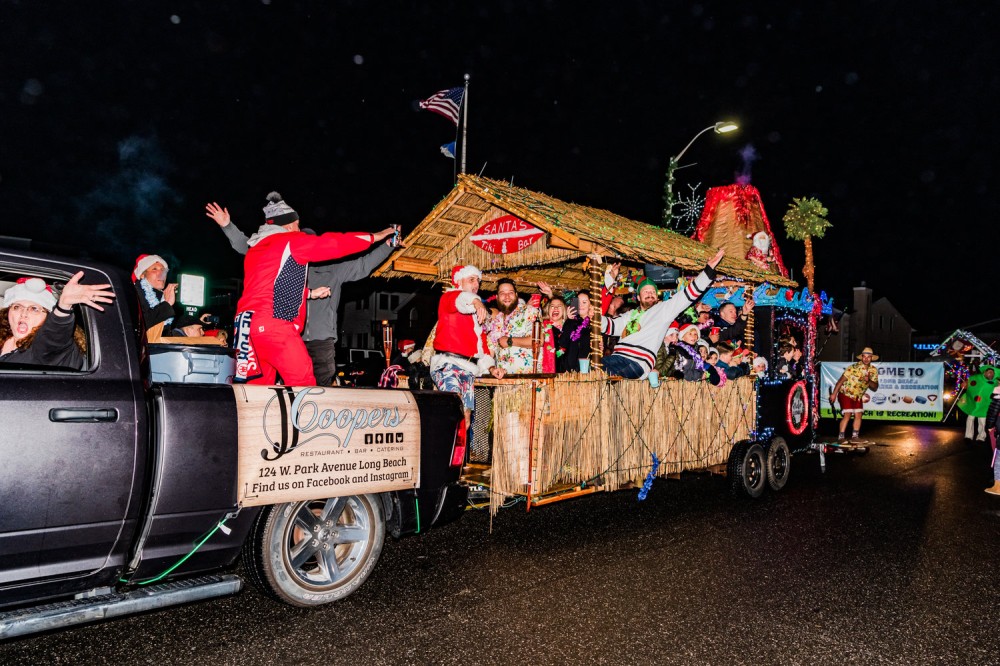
[278, 212]
[674, 329]
[462, 272]
[30, 289]
[143, 263]
[402, 345]
[687, 327]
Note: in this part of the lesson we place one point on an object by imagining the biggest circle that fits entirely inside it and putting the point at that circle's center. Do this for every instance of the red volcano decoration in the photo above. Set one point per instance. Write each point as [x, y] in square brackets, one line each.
[732, 215]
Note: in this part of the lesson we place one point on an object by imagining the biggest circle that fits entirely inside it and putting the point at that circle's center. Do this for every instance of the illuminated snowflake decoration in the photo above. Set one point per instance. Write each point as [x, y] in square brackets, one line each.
[687, 211]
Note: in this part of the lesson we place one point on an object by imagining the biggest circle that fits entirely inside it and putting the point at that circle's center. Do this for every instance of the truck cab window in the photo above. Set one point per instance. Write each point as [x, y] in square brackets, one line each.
[34, 336]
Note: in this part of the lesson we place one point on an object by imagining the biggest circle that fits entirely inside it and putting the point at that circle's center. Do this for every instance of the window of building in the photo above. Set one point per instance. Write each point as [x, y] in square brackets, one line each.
[363, 340]
[383, 301]
[394, 301]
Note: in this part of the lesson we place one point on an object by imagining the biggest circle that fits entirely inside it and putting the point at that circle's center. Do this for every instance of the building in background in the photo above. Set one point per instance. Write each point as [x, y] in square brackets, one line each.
[876, 324]
[411, 315]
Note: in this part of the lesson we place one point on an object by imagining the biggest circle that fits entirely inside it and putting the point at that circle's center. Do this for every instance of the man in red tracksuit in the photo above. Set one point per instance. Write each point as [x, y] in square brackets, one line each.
[271, 312]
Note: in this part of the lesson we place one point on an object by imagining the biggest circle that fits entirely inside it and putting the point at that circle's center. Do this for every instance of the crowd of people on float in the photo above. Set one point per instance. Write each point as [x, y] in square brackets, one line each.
[286, 321]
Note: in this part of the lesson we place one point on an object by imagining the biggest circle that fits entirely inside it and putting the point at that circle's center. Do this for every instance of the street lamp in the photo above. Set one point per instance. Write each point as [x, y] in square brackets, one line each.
[723, 127]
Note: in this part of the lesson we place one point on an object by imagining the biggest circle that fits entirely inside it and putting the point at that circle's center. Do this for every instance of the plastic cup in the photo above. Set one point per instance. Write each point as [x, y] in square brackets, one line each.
[654, 378]
[584, 365]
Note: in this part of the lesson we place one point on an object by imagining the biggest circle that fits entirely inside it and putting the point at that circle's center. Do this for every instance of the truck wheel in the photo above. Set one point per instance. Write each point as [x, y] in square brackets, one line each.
[779, 463]
[314, 552]
[747, 472]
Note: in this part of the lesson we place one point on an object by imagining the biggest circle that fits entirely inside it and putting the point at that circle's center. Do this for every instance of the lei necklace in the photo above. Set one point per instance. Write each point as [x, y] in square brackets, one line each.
[549, 340]
[153, 300]
[632, 321]
[575, 335]
[699, 362]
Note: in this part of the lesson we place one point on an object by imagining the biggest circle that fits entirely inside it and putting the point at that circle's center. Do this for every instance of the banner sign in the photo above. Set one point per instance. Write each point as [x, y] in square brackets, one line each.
[505, 235]
[311, 442]
[906, 391]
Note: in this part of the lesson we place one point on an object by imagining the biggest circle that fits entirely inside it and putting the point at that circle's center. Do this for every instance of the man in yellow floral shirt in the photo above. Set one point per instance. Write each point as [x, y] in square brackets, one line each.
[850, 391]
[509, 331]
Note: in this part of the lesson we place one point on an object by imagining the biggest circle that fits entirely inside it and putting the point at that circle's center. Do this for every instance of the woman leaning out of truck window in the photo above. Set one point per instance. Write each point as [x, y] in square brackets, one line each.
[39, 329]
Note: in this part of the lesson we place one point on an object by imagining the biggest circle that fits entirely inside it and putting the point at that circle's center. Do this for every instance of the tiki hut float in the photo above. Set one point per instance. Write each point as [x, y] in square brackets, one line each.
[543, 438]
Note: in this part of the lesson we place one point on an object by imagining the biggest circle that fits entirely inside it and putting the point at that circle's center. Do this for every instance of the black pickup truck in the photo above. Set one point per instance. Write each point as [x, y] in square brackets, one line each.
[120, 494]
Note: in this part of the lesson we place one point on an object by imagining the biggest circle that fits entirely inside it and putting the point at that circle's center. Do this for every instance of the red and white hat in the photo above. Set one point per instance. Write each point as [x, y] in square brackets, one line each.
[143, 263]
[33, 290]
[674, 329]
[462, 272]
[688, 327]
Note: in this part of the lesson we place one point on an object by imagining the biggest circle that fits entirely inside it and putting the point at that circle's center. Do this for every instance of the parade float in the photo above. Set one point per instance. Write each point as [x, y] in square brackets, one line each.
[541, 438]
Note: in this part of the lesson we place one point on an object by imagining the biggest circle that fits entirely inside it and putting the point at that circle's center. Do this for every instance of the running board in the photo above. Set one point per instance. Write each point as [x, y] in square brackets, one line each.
[77, 611]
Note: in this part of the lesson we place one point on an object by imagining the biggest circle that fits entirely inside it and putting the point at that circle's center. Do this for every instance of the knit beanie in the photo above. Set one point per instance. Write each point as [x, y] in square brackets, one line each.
[278, 212]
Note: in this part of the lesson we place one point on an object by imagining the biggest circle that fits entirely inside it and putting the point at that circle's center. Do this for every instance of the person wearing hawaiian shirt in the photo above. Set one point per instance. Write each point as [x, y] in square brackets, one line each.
[850, 391]
[509, 330]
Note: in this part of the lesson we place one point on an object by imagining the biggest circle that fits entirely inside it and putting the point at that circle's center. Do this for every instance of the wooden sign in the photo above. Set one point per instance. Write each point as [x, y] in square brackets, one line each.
[505, 235]
[312, 442]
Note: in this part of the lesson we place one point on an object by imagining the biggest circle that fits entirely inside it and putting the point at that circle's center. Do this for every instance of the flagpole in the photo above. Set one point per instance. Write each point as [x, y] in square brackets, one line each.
[465, 119]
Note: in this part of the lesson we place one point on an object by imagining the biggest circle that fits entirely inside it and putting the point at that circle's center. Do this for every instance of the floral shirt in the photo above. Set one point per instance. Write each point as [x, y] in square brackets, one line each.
[856, 379]
[513, 360]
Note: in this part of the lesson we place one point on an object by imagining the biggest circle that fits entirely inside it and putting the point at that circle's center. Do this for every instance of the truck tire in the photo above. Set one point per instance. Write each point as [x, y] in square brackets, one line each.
[314, 552]
[747, 470]
[779, 463]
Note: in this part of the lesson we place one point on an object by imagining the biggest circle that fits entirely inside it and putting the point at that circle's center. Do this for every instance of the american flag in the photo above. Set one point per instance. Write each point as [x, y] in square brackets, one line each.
[445, 103]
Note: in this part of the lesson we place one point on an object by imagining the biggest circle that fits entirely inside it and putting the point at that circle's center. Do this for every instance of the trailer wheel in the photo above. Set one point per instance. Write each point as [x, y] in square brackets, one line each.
[314, 552]
[779, 463]
[747, 470]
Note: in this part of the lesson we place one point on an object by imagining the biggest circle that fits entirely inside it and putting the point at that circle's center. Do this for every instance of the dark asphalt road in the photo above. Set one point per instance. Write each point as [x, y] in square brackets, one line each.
[886, 558]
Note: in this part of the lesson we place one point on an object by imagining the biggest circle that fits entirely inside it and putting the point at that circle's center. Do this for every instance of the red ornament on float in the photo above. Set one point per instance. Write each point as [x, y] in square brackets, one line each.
[505, 235]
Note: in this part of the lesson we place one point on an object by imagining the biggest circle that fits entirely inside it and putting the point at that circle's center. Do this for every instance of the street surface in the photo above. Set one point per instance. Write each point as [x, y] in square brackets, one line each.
[887, 558]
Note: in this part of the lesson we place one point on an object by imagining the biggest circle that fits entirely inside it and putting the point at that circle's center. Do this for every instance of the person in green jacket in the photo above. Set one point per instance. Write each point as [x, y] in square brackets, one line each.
[975, 401]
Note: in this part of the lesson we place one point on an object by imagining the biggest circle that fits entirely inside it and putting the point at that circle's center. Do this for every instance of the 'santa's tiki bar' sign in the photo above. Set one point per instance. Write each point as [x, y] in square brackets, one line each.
[505, 235]
[297, 443]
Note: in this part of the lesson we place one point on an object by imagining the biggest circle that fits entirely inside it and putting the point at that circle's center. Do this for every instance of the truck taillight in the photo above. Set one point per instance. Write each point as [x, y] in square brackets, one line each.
[461, 441]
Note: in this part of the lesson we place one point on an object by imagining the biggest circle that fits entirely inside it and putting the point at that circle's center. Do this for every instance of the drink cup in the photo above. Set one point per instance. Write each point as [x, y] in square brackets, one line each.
[584, 365]
[654, 378]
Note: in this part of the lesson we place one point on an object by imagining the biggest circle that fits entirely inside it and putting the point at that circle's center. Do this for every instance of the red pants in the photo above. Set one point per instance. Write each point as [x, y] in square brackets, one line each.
[280, 350]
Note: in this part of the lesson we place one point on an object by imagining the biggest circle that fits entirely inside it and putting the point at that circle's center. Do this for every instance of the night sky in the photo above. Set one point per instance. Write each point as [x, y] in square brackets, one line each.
[122, 119]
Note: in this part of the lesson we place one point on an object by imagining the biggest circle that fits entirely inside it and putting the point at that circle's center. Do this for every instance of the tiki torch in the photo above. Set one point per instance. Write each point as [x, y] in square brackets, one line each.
[386, 341]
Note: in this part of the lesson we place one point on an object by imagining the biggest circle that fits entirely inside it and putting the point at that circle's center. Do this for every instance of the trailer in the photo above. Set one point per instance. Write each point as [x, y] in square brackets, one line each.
[540, 438]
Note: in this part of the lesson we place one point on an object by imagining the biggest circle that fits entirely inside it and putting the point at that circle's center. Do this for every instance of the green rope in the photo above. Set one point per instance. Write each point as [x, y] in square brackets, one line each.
[193, 551]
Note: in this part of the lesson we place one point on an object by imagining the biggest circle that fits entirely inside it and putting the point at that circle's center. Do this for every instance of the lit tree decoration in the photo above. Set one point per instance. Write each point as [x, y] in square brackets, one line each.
[805, 220]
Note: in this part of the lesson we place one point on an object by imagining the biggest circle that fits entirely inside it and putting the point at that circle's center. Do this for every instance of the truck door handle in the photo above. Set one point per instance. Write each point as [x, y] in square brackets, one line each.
[83, 415]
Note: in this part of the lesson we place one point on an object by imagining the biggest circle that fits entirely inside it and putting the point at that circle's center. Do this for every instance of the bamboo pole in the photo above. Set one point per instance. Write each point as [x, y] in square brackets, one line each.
[596, 284]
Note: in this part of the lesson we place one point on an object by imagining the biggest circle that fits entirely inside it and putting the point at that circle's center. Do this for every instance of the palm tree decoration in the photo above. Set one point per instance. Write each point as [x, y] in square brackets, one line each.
[806, 219]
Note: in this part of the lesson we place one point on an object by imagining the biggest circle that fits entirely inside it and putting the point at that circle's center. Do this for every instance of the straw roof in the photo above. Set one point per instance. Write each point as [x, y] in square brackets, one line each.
[560, 258]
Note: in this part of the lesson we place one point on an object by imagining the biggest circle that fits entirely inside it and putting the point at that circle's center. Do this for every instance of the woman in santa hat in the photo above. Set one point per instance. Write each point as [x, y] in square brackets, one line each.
[37, 328]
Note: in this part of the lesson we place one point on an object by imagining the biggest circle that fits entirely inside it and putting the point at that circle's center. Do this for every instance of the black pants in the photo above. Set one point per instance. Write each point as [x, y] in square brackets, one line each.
[324, 357]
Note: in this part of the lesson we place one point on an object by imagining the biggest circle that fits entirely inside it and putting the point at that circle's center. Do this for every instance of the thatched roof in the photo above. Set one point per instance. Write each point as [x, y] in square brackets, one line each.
[572, 231]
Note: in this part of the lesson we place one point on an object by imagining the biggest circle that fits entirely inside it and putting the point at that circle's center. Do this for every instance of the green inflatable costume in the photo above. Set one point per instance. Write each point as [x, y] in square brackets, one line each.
[975, 401]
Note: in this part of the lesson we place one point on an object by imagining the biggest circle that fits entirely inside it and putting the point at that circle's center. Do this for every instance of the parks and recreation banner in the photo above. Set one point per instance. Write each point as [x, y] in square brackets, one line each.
[906, 391]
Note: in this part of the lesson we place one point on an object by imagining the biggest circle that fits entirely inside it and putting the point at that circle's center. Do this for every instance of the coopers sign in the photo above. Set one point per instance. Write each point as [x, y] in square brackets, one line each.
[298, 443]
